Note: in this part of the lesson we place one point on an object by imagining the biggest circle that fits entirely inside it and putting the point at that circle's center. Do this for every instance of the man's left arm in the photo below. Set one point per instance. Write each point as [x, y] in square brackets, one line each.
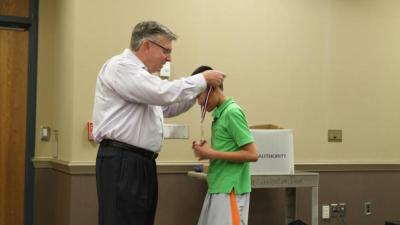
[177, 108]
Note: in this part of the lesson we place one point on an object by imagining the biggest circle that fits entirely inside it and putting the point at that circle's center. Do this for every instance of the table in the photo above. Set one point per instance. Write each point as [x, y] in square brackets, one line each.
[288, 181]
[392, 222]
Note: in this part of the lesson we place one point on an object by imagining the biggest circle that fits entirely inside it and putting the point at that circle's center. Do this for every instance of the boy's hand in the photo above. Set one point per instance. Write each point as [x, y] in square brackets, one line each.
[202, 150]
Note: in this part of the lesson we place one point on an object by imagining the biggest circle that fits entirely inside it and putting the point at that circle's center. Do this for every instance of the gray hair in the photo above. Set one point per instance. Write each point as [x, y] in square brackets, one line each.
[149, 30]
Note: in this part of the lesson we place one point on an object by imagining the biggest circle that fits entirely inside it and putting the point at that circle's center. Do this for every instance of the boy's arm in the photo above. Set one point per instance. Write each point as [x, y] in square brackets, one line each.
[247, 153]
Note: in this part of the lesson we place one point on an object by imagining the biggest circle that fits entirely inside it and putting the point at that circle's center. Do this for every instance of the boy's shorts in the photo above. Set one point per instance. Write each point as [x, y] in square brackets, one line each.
[225, 209]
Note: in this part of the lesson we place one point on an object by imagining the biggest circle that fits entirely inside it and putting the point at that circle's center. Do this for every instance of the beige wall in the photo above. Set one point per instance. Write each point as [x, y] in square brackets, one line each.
[309, 65]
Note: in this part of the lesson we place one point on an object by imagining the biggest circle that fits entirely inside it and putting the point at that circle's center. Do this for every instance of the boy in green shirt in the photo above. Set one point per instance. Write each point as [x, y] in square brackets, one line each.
[232, 148]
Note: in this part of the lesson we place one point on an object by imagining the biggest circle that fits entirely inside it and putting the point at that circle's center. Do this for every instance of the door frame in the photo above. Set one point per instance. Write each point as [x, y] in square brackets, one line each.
[31, 25]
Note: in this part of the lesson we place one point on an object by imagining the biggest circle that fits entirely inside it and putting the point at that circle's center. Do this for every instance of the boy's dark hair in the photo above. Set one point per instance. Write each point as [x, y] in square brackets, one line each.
[203, 68]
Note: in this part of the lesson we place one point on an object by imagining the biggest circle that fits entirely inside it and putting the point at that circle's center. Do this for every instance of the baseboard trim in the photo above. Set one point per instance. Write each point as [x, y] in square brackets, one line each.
[88, 167]
[65, 166]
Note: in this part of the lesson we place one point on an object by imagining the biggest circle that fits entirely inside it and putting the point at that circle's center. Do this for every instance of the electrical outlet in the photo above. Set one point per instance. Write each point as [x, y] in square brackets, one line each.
[367, 208]
[326, 212]
[334, 210]
[342, 209]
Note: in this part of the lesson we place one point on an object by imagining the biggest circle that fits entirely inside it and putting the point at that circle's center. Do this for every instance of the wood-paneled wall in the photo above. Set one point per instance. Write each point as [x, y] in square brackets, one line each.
[13, 108]
[14, 8]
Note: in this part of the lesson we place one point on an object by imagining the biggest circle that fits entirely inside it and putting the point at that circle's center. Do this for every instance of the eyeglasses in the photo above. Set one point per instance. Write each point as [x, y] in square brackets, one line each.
[166, 51]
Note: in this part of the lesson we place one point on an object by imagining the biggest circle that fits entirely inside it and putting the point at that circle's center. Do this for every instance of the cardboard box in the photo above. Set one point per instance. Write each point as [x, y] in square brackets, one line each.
[275, 149]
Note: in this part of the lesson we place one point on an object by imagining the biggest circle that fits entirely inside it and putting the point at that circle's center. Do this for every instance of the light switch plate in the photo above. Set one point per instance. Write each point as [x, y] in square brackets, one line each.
[45, 133]
[176, 131]
[165, 71]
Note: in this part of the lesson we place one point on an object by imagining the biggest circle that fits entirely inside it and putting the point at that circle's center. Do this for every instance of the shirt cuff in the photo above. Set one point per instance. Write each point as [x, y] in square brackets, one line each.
[201, 81]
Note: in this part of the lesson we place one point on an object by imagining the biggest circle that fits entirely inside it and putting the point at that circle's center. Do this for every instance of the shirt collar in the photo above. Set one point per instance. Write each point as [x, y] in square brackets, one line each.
[218, 111]
[131, 55]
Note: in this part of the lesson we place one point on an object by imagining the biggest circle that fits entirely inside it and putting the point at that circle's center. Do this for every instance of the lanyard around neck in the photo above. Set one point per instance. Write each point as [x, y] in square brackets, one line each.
[204, 106]
[203, 112]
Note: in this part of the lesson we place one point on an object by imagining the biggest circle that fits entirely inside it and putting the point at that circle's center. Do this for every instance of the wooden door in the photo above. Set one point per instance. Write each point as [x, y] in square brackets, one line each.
[13, 114]
[18, 8]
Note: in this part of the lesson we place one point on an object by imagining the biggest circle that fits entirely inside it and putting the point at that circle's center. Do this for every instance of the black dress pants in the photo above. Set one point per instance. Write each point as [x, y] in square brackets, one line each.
[127, 187]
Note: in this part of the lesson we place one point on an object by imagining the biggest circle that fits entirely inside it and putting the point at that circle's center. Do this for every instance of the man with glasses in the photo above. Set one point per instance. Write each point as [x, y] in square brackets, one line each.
[130, 103]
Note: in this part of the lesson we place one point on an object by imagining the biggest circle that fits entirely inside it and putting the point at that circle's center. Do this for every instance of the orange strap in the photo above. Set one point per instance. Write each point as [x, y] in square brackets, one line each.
[234, 209]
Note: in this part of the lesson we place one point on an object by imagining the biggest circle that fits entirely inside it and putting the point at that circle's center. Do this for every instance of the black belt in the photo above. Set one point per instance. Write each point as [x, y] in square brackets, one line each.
[121, 145]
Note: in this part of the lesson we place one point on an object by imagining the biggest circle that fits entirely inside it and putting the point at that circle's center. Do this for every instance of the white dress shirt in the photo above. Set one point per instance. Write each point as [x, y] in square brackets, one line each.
[130, 103]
